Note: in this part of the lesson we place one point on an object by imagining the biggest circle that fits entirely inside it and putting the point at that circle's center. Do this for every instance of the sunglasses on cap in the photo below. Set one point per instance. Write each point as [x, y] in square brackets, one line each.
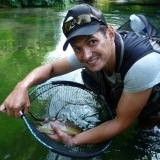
[79, 20]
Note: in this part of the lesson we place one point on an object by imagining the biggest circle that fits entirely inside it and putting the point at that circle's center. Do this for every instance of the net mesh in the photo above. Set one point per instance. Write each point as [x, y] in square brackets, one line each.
[73, 103]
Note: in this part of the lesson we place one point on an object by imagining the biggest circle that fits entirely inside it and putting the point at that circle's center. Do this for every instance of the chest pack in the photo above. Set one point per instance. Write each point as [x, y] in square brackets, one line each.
[132, 52]
[124, 39]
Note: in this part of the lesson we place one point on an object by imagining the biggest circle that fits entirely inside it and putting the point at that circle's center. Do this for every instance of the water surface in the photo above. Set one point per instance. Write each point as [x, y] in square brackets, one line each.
[31, 37]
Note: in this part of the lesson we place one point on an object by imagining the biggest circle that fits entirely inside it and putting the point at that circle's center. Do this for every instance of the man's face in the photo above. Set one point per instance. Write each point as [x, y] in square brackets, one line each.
[94, 51]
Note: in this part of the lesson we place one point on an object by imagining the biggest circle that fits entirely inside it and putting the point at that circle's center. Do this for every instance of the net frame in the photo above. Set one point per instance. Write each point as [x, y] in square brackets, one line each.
[57, 147]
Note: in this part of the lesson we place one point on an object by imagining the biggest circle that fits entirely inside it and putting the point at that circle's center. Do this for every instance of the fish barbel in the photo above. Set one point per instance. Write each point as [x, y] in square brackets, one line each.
[64, 126]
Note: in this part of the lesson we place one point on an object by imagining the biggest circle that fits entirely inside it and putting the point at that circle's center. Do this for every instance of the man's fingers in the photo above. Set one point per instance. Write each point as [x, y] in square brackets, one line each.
[3, 108]
[10, 111]
[17, 113]
[26, 108]
[53, 136]
[57, 130]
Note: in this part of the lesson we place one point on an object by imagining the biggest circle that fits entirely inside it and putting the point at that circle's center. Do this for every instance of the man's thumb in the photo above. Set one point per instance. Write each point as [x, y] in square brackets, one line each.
[3, 108]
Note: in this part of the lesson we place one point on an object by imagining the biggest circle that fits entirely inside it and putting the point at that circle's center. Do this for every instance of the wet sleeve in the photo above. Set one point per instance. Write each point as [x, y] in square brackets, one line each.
[144, 74]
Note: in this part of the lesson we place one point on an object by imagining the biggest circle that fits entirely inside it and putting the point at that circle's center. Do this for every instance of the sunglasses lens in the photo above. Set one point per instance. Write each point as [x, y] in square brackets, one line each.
[79, 20]
[83, 19]
[68, 26]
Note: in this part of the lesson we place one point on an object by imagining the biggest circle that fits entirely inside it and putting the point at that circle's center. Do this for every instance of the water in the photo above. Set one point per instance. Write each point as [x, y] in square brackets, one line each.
[32, 37]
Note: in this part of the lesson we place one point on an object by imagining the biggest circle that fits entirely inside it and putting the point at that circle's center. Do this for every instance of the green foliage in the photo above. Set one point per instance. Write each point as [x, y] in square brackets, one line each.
[33, 3]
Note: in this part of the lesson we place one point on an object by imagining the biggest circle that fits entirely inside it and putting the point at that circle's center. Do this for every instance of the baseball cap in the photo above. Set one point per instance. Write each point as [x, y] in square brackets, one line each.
[74, 25]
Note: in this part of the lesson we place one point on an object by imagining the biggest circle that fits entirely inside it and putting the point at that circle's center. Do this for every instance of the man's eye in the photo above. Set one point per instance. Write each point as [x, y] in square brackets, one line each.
[92, 42]
[76, 50]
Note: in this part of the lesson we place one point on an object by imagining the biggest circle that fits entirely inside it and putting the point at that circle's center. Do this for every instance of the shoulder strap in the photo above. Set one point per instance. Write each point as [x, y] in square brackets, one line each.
[119, 50]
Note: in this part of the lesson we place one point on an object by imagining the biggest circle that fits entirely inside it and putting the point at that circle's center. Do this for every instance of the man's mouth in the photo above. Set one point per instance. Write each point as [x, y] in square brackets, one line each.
[92, 61]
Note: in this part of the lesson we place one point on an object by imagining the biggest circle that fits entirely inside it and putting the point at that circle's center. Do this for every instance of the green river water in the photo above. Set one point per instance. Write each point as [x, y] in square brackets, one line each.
[31, 37]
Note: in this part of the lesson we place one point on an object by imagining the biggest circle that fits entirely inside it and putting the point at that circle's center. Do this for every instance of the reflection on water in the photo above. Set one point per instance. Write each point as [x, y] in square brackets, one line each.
[58, 52]
[31, 37]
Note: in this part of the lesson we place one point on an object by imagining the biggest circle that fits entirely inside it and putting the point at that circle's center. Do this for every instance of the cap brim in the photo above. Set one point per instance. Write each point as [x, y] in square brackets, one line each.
[82, 31]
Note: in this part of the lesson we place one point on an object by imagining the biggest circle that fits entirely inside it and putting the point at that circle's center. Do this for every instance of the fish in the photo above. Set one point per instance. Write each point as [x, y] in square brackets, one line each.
[64, 126]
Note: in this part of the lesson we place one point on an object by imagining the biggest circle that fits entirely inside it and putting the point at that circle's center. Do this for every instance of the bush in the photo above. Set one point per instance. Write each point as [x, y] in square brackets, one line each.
[32, 3]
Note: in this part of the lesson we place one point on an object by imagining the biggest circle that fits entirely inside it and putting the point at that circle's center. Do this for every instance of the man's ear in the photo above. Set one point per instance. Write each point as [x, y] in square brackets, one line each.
[110, 33]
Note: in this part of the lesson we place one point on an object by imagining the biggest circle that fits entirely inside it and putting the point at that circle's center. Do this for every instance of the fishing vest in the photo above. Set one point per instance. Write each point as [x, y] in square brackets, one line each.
[128, 51]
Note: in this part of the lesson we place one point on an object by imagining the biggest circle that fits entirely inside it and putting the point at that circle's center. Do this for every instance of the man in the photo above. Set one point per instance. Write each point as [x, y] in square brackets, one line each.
[125, 67]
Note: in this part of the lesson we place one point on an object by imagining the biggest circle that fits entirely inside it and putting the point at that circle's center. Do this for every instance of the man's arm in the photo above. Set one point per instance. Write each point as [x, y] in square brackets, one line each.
[19, 99]
[129, 107]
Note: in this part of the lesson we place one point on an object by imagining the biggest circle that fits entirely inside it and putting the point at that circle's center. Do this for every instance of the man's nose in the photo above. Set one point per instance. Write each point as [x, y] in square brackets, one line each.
[87, 53]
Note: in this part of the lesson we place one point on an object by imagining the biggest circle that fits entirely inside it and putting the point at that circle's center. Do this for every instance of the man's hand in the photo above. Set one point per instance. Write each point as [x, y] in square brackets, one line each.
[17, 100]
[61, 136]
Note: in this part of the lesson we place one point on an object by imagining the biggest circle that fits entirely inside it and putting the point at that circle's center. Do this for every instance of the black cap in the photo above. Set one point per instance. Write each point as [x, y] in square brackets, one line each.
[87, 28]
